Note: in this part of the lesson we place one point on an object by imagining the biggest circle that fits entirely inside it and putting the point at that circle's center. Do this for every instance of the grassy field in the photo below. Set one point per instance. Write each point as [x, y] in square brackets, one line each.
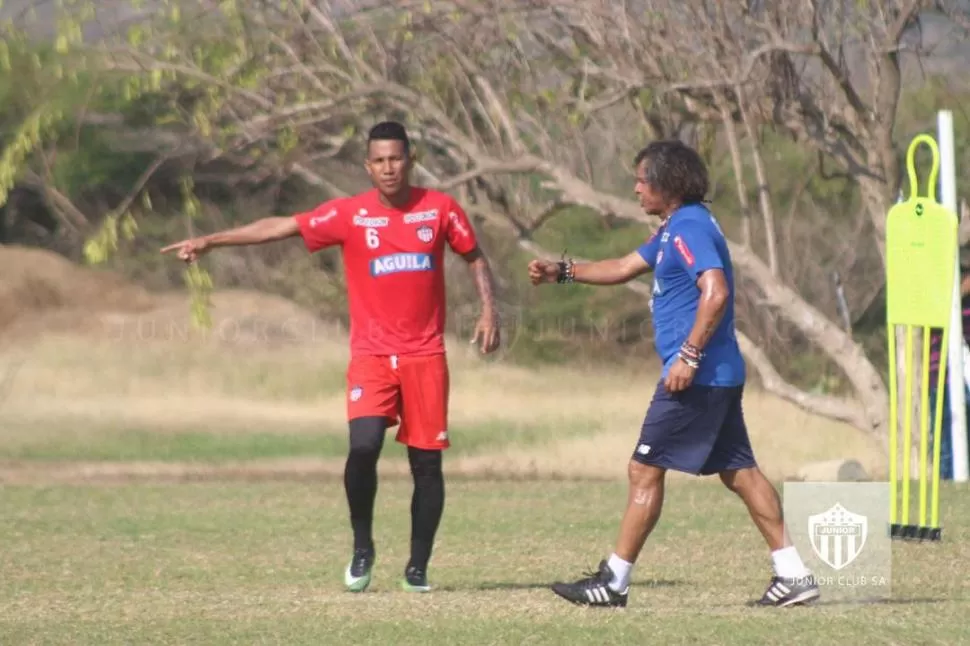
[260, 563]
[161, 489]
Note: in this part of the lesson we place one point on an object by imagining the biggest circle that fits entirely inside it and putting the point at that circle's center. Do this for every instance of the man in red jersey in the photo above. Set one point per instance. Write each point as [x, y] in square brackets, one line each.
[393, 239]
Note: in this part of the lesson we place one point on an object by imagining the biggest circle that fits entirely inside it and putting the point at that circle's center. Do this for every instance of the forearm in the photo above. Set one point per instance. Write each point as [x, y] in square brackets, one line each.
[602, 272]
[260, 231]
[484, 282]
[710, 311]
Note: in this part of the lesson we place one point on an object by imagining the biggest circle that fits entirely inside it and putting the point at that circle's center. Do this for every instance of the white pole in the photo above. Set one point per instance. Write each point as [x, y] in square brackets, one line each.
[955, 383]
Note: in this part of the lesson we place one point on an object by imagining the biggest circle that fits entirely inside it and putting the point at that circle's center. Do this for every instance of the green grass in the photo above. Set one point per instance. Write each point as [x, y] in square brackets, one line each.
[90, 441]
[104, 552]
[224, 563]
[183, 446]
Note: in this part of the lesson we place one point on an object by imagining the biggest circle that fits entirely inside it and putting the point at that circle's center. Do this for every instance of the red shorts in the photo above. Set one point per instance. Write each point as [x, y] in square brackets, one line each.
[408, 390]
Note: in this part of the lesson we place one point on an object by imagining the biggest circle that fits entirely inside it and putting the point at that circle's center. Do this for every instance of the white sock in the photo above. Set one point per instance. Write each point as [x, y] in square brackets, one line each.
[621, 573]
[788, 563]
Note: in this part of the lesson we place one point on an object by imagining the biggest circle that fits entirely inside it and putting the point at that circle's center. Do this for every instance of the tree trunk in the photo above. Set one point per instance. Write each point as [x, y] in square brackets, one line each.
[874, 197]
[825, 335]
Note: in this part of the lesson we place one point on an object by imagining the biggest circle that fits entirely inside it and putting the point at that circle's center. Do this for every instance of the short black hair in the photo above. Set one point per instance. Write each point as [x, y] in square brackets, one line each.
[390, 131]
[675, 169]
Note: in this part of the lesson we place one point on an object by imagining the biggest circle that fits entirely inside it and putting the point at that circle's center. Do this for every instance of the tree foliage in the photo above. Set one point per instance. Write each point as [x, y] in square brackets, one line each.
[527, 110]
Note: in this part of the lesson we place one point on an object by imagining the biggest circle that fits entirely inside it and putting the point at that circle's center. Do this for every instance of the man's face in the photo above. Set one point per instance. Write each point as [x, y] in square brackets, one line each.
[388, 166]
[652, 202]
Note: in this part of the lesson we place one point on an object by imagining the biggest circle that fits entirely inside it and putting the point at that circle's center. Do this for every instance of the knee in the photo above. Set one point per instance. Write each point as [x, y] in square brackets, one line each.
[741, 480]
[644, 476]
[730, 480]
[425, 463]
[366, 438]
[363, 450]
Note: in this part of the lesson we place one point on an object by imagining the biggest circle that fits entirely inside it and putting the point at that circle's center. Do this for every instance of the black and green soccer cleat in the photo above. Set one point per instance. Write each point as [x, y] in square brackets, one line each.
[358, 574]
[415, 580]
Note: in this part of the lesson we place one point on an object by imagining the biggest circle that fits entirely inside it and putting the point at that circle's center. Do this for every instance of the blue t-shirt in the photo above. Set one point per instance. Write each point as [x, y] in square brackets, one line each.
[687, 244]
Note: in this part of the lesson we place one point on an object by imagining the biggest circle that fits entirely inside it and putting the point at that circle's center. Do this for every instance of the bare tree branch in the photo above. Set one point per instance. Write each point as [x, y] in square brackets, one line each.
[832, 407]
[764, 195]
[499, 95]
[60, 205]
[526, 164]
[731, 133]
[139, 184]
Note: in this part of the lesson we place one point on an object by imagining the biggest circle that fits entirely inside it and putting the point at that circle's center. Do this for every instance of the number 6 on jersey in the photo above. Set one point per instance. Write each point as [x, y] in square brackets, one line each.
[373, 242]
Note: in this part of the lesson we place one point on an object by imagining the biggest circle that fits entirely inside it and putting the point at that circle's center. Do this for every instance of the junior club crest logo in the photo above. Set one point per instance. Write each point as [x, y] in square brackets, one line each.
[837, 535]
[425, 234]
[355, 393]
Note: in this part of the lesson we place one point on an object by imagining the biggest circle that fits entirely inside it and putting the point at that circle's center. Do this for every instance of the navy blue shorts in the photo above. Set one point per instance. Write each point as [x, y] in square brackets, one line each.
[699, 430]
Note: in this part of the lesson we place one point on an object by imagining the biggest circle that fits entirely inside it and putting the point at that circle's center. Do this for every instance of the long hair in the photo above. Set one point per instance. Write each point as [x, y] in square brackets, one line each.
[674, 169]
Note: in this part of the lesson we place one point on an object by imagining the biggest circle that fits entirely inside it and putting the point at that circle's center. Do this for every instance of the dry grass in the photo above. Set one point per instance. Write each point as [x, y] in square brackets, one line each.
[168, 386]
[93, 354]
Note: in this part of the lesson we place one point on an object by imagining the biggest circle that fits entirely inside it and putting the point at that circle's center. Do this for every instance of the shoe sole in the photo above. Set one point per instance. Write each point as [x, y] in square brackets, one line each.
[356, 584]
[586, 604]
[805, 597]
[407, 587]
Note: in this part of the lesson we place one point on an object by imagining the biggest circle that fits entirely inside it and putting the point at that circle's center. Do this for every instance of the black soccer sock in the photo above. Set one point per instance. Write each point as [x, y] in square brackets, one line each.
[427, 503]
[360, 477]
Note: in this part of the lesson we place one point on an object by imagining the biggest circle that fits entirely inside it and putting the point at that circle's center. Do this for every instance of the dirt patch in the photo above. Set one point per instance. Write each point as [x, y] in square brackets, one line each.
[40, 291]
[44, 293]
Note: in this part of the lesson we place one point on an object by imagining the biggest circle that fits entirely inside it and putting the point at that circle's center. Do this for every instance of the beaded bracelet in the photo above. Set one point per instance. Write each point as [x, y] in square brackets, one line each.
[691, 355]
[567, 271]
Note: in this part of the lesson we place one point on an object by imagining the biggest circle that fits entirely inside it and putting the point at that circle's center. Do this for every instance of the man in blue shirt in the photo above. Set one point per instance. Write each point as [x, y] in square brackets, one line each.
[694, 423]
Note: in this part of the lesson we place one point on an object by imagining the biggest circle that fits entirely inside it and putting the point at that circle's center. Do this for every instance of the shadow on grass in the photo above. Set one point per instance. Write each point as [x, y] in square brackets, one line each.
[533, 585]
[884, 602]
[849, 603]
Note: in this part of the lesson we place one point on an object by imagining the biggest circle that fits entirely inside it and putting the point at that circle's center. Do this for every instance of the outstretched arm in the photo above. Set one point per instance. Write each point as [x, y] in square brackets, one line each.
[614, 271]
[487, 329]
[258, 232]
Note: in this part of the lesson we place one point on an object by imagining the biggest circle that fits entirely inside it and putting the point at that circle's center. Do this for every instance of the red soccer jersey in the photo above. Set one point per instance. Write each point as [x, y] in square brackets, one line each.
[394, 265]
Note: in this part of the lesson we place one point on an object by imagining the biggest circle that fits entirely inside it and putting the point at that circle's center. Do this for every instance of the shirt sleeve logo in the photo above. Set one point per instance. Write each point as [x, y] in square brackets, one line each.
[457, 223]
[320, 219]
[684, 251]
